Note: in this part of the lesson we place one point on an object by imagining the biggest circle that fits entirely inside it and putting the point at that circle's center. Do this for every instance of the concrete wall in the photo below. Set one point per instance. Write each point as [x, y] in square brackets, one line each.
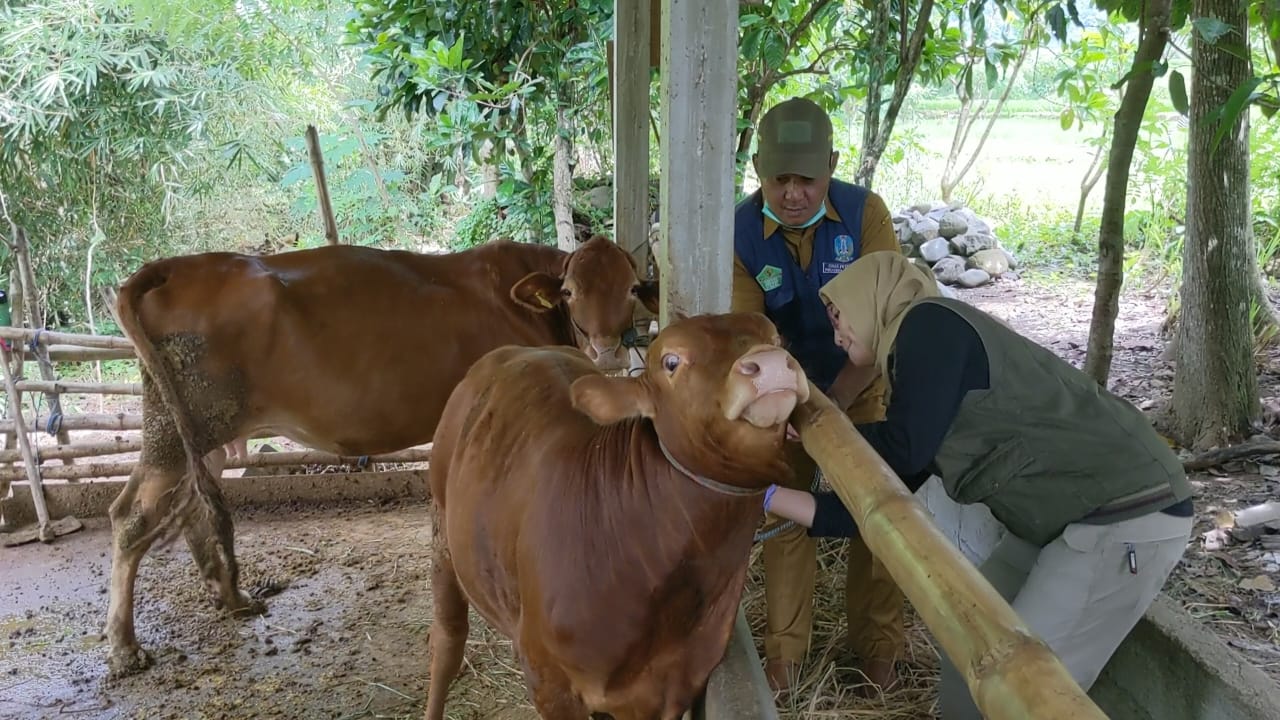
[1169, 667]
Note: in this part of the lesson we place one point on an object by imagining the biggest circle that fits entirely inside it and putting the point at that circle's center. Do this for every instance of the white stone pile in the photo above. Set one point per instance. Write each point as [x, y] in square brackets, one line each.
[955, 242]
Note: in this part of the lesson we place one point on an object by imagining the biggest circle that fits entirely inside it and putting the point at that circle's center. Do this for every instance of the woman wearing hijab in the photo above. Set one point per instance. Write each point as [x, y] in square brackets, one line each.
[1097, 507]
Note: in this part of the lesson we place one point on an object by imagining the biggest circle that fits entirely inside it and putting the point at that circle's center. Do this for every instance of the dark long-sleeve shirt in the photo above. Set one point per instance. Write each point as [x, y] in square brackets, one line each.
[937, 359]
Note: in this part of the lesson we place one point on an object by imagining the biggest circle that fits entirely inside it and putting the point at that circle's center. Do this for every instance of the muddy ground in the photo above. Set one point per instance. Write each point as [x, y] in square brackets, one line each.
[349, 606]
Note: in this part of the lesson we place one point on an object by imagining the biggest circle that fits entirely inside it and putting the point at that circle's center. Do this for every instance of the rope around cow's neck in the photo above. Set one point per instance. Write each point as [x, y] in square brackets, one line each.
[708, 483]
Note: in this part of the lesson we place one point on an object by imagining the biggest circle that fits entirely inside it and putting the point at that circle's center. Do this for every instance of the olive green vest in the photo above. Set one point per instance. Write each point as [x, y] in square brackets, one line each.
[1046, 446]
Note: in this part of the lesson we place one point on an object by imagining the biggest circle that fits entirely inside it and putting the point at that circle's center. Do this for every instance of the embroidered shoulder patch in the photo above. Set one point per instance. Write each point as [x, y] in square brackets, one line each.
[769, 277]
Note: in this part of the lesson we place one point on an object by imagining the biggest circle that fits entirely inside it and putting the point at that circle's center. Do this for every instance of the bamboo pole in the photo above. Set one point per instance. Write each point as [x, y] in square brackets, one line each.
[73, 353]
[31, 469]
[117, 421]
[76, 450]
[86, 388]
[1010, 672]
[270, 459]
[45, 338]
[322, 187]
[28, 279]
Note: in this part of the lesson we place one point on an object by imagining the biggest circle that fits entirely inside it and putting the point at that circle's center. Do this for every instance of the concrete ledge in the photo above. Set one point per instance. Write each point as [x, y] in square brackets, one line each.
[89, 499]
[737, 689]
[1172, 668]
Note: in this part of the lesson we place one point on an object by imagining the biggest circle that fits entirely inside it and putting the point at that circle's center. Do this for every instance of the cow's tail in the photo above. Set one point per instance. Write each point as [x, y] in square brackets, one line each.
[197, 483]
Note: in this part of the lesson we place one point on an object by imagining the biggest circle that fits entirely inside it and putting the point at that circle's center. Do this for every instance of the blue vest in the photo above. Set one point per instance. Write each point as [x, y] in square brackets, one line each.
[791, 294]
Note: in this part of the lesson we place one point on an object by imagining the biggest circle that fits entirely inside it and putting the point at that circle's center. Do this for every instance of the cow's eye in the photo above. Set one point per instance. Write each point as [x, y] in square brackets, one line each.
[566, 293]
[635, 290]
[670, 362]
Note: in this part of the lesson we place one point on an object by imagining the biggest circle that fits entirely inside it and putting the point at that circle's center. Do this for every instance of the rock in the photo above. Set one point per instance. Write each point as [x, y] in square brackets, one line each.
[973, 278]
[952, 224]
[908, 249]
[922, 230]
[904, 232]
[993, 261]
[949, 269]
[1013, 263]
[969, 243]
[1011, 275]
[600, 197]
[946, 292]
[934, 250]
[937, 213]
[922, 208]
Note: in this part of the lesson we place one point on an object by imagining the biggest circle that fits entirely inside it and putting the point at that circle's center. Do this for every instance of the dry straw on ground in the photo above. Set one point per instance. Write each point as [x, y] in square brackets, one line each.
[829, 685]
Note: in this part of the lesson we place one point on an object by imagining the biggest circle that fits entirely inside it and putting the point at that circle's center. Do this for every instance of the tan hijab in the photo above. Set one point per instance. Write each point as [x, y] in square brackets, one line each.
[872, 296]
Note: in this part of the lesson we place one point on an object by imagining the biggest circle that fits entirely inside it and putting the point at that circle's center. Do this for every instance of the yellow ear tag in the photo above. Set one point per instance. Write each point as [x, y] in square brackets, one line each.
[542, 299]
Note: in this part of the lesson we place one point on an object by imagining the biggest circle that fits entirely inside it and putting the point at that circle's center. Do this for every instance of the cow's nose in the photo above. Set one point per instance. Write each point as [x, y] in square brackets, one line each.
[769, 369]
[605, 345]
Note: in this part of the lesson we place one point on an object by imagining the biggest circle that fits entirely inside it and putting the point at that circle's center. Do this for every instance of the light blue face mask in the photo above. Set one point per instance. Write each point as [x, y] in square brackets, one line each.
[822, 210]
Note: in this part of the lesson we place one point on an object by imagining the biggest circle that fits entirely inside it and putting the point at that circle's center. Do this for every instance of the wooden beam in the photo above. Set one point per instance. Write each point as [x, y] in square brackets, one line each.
[631, 127]
[31, 470]
[88, 421]
[322, 185]
[699, 109]
[48, 337]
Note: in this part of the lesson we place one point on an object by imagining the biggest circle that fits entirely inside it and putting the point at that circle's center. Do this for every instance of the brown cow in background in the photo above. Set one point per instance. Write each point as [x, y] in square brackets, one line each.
[608, 533]
[346, 349]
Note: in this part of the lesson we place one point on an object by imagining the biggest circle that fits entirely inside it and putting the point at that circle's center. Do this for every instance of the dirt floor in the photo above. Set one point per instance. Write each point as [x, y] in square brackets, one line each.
[347, 589]
[349, 606]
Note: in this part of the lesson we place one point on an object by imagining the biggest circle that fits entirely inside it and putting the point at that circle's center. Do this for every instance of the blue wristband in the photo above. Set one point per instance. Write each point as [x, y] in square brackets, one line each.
[768, 496]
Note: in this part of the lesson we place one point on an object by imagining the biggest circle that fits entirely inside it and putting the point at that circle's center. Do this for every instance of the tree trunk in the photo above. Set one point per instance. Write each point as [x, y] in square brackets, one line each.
[1090, 179]
[874, 143]
[952, 177]
[562, 183]
[755, 103]
[1215, 385]
[1128, 121]
[489, 166]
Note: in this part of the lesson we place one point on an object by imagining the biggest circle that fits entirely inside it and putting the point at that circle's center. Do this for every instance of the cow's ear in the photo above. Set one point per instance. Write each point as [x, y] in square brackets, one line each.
[608, 400]
[538, 291]
[647, 291]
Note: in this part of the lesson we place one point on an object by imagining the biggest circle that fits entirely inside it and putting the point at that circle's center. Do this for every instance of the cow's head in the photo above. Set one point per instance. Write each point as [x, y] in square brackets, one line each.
[599, 286]
[719, 389]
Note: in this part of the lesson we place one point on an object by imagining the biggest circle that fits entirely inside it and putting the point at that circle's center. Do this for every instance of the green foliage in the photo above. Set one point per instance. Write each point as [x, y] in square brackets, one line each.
[98, 118]
[477, 227]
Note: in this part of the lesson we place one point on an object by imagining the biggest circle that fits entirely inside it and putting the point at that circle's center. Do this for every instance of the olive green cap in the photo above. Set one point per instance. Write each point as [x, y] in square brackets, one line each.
[794, 139]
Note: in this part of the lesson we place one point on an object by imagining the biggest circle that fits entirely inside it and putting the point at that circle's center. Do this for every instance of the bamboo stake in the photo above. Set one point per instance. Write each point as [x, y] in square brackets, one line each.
[1010, 672]
[76, 450]
[72, 353]
[28, 279]
[117, 421]
[322, 188]
[270, 459]
[45, 338]
[32, 473]
[86, 388]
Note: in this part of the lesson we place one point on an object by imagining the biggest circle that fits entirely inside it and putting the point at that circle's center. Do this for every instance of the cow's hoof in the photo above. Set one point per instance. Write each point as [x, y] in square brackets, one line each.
[247, 607]
[126, 661]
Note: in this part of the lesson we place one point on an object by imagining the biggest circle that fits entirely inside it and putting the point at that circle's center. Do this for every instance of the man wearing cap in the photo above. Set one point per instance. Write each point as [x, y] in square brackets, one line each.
[793, 235]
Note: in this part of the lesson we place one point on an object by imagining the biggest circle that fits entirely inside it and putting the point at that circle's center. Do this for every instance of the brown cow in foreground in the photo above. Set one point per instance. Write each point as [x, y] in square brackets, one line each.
[345, 349]
[608, 533]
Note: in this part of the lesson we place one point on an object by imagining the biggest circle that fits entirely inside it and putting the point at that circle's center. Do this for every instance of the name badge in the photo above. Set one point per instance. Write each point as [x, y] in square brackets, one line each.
[829, 268]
